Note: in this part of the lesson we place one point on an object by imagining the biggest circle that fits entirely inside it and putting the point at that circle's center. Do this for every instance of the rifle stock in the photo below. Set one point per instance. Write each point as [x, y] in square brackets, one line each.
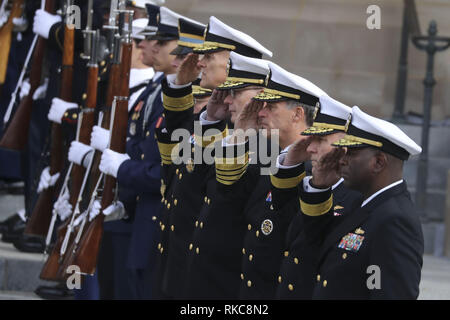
[16, 134]
[6, 35]
[40, 219]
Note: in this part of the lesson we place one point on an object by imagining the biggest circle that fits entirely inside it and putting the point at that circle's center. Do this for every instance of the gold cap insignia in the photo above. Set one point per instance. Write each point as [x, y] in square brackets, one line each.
[347, 124]
[190, 165]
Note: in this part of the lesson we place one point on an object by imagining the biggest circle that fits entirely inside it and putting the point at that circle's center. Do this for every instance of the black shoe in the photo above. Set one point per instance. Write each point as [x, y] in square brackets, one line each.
[11, 220]
[58, 292]
[30, 244]
[14, 232]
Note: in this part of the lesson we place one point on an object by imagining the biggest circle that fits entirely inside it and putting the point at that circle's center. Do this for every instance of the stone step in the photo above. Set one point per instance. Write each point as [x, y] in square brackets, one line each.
[20, 271]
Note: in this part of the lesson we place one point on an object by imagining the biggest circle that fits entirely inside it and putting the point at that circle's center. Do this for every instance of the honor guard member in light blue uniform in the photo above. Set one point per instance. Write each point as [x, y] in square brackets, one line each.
[296, 276]
[376, 251]
[138, 177]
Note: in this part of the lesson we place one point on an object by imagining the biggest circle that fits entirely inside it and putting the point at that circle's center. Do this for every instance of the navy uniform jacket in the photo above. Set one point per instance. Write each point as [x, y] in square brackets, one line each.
[184, 187]
[386, 236]
[297, 271]
[141, 176]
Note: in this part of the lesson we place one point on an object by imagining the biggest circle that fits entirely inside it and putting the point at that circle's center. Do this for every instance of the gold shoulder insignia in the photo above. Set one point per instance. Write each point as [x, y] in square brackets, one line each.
[338, 207]
[359, 231]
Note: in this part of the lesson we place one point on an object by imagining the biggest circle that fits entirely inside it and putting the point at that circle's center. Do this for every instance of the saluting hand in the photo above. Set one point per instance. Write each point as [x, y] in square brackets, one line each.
[248, 118]
[188, 70]
[297, 152]
[216, 109]
[326, 171]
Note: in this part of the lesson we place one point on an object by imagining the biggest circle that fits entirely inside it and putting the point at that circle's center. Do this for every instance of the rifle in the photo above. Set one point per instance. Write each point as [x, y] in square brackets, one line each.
[86, 256]
[95, 174]
[16, 134]
[39, 221]
[6, 35]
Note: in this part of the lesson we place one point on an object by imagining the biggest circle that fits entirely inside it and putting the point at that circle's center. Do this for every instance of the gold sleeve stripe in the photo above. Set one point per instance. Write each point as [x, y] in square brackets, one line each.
[178, 104]
[315, 210]
[286, 183]
[204, 141]
[350, 140]
[166, 148]
[227, 164]
[231, 173]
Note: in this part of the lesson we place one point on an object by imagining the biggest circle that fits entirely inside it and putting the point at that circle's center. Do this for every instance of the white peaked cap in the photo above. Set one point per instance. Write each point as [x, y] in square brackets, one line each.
[138, 26]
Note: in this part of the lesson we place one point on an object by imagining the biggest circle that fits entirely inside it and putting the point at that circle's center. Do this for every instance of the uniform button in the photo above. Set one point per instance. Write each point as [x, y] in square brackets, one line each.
[154, 218]
[177, 171]
[344, 255]
[66, 114]
[160, 223]
[242, 276]
[325, 283]
[147, 133]
[137, 198]
[286, 253]
[243, 250]
[249, 227]
[318, 277]
[249, 283]
[162, 199]
[102, 63]
[250, 257]
[175, 202]
[290, 287]
[196, 224]
[159, 246]
[162, 249]
[172, 227]
[295, 260]
[165, 202]
[201, 225]
[279, 279]
[84, 96]
[191, 246]
[74, 116]
[206, 199]
[271, 207]
[168, 206]
[142, 156]
[209, 201]
[180, 176]
[98, 79]
[197, 250]
[257, 233]
[163, 227]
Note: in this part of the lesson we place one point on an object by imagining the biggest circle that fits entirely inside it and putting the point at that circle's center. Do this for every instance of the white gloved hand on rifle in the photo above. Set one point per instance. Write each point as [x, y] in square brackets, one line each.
[111, 162]
[58, 108]
[95, 210]
[47, 180]
[99, 138]
[80, 153]
[115, 211]
[62, 206]
[43, 22]
[39, 93]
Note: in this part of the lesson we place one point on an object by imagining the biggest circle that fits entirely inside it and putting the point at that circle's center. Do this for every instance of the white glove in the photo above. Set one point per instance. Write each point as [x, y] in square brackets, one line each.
[20, 24]
[40, 92]
[63, 207]
[95, 210]
[25, 89]
[43, 22]
[111, 162]
[78, 152]
[115, 211]
[47, 180]
[58, 108]
[4, 18]
[99, 138]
